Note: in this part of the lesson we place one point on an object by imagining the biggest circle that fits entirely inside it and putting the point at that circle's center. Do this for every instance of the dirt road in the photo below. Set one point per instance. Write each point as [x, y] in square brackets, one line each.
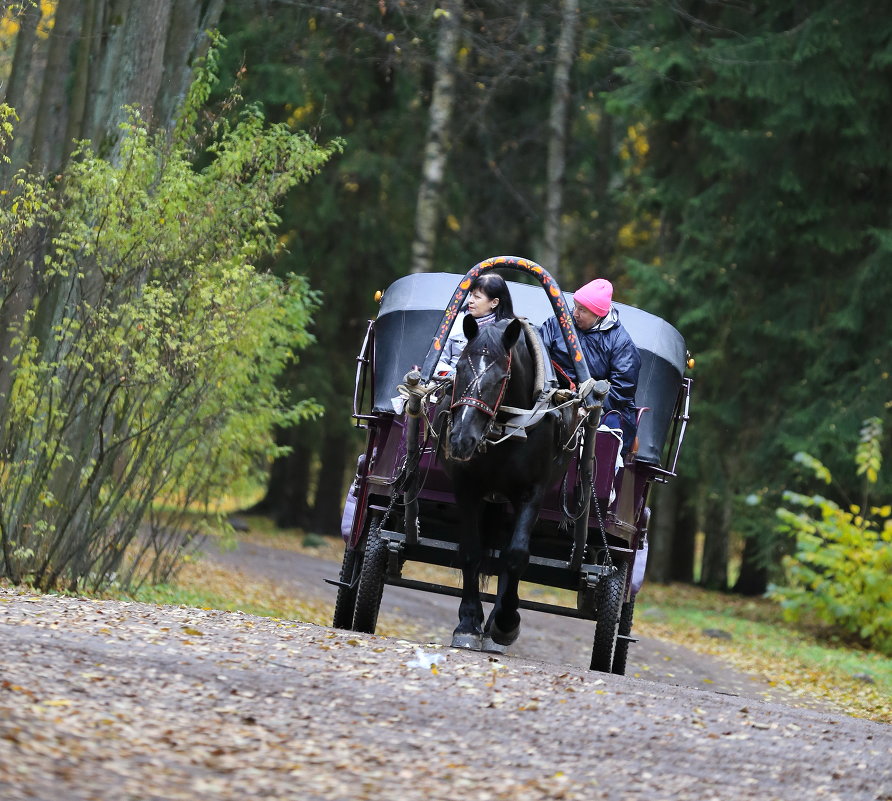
[544, 637]
[132, 702]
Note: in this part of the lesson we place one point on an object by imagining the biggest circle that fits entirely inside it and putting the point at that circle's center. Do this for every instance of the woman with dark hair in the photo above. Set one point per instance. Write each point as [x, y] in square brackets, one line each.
[489, 300]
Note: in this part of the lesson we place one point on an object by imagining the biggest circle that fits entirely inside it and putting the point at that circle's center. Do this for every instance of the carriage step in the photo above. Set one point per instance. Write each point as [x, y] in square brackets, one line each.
[345, 584]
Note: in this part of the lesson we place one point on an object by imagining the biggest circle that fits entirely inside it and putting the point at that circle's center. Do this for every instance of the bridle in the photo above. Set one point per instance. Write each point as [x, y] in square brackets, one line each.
[469, 396]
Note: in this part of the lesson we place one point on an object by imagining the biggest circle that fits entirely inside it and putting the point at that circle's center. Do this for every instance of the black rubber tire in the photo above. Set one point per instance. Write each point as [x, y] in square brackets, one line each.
[371, 581]
[621, 654]
[611, 590]
[345, 603]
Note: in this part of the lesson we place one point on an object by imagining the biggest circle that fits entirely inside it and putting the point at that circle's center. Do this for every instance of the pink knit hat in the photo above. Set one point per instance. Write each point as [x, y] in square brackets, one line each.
[595, 296]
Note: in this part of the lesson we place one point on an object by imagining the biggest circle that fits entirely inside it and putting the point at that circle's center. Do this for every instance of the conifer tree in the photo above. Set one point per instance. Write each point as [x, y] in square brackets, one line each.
[769, 171]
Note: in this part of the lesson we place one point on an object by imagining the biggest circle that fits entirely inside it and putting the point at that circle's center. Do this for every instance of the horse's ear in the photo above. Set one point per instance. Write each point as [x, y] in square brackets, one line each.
[471, 329]
[512, 334]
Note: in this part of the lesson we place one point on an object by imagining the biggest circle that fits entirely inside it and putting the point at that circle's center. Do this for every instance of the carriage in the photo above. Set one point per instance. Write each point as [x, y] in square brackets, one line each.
[590, 535]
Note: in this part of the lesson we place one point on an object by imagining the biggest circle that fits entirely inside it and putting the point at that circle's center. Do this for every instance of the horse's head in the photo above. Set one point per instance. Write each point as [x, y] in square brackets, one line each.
[482, 374]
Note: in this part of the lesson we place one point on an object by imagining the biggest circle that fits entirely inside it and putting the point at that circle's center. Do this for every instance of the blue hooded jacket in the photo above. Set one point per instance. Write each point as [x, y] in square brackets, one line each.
[610, 353]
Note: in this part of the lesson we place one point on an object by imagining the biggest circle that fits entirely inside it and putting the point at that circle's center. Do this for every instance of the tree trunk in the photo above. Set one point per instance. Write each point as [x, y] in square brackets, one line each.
[142, 54]
[292, 505]
[662, 533]
[753, 578]
[681, 566]
[286, 501]
[671, 553]
[141, 62]
[437, 145]
[17, 279]
[51, 121]
[17, 90]
[326, 517]
[606, 229]
[557, 139]
[714, 572]
[186, 41]
[81, 79]
[110, 19]
[18, 289]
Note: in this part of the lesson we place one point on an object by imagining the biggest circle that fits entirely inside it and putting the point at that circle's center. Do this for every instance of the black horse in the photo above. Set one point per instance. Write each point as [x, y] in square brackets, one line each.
[496, 369]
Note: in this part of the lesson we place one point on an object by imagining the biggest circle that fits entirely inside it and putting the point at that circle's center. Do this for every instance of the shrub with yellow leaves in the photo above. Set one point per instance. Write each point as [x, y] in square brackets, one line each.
[839, 573]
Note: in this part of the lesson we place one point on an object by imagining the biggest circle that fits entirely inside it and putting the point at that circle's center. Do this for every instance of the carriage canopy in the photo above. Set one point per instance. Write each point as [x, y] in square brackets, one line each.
[412, 308]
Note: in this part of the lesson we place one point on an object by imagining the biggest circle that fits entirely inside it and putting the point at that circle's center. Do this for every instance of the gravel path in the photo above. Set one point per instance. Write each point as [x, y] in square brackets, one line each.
[112, 700]
[545, 637]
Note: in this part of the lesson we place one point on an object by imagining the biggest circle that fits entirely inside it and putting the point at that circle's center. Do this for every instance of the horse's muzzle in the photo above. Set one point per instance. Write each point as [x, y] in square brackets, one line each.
[463, 448]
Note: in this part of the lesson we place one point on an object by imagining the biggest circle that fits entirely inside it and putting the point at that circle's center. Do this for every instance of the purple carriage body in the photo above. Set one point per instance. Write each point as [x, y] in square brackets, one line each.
[398, 341]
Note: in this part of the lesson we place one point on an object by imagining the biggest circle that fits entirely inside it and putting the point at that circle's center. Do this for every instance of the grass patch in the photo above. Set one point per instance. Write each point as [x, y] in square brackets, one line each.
[857, 681]
[264, 532]
[206, 585]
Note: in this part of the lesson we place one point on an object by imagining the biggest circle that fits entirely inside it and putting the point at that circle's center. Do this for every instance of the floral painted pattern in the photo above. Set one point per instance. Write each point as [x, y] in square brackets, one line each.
[517, 263]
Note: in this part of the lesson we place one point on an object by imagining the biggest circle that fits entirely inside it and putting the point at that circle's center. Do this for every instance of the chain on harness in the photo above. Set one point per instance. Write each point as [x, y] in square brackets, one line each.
[571, 517]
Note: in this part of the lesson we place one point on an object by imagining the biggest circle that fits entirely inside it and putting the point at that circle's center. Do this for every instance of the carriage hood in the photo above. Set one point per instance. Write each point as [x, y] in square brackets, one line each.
[412, 308]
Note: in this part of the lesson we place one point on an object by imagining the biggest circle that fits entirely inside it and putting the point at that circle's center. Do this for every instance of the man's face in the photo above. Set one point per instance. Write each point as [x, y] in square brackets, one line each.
[585, 318]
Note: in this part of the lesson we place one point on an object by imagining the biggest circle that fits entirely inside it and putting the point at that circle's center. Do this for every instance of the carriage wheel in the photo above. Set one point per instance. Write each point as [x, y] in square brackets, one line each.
[621, 654]
[371, 580]
[611, 590]
[345, 603]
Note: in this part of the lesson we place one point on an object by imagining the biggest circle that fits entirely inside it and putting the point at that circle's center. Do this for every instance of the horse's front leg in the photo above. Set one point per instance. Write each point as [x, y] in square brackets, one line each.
[503, 625]
[469, 632]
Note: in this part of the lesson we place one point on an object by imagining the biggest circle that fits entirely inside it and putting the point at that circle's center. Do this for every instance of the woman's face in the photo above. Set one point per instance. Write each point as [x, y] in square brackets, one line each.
[480, 304]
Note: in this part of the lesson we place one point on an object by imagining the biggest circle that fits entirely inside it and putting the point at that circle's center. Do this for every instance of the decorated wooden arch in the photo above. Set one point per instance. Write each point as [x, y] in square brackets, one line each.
[549, 284]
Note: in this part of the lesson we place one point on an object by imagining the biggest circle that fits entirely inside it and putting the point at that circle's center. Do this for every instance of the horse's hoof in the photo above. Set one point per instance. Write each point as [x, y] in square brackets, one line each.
[473, 642]
[491, 647]
[499, 637]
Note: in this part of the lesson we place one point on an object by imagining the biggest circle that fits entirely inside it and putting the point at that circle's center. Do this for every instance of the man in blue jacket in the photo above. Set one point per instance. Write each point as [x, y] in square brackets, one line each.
[608, 350]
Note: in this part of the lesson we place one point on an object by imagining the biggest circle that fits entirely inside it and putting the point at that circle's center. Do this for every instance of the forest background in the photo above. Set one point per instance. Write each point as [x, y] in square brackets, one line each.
[725, 164]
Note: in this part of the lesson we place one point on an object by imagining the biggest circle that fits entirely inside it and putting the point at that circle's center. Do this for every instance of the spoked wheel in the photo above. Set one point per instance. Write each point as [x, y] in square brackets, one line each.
[371, 580]
[621, 654]
[610, 600]
[345, 603]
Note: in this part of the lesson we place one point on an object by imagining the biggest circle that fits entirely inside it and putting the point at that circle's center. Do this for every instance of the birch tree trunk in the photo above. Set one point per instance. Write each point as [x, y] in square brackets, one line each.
[436, 148]
[557, 139]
